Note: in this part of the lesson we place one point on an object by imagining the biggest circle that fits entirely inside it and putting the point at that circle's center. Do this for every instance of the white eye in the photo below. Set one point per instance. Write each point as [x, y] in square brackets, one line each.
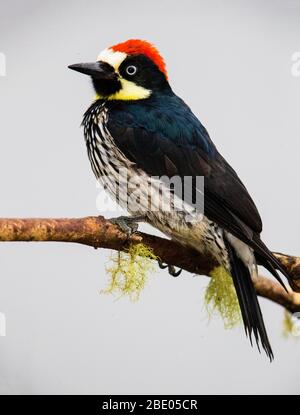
[131, 70]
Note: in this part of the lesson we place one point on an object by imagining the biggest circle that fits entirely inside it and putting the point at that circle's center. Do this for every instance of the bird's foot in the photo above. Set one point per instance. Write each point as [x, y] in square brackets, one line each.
[171, 269]
[128, 224]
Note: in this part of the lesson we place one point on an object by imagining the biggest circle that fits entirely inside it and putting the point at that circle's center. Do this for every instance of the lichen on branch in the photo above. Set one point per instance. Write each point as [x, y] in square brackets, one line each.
[129, 271]
[221, 298]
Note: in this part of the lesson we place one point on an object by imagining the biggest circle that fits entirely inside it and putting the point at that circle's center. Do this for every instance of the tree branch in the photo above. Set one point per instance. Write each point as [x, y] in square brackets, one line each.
[101, 233]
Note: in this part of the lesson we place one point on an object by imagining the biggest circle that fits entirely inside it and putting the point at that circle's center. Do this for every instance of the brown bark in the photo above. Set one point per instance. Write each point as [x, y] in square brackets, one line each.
[101, 233]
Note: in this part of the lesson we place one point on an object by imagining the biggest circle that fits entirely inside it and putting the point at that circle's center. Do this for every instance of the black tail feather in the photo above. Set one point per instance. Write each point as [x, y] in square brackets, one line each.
[270, 267]
[266, 258]
[250, 309]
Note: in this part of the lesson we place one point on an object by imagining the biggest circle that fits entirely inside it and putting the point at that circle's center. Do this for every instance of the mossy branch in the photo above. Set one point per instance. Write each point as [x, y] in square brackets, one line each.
[101, 233]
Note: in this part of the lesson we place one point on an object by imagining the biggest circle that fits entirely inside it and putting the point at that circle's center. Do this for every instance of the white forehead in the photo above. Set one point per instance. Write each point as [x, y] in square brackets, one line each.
[113, 58]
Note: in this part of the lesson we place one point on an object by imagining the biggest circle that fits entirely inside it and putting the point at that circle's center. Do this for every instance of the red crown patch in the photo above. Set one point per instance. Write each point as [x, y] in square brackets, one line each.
[142, 47]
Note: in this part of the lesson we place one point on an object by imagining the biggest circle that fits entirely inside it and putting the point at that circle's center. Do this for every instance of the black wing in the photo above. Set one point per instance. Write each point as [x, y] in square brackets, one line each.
[227, 202]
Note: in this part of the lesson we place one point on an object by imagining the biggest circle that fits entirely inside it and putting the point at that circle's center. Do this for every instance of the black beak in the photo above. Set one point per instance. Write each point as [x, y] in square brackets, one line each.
[97, 70]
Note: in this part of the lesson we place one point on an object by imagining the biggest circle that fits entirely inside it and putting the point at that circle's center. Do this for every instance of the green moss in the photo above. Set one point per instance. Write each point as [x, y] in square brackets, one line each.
[220, 297]
[290, 327]
[129, 271]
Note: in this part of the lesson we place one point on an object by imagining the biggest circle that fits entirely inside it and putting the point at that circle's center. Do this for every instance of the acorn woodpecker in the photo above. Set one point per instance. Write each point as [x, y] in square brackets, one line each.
[139, 134]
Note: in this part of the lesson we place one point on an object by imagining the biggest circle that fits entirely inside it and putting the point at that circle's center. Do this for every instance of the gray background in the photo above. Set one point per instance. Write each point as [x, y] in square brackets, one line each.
[231, 62]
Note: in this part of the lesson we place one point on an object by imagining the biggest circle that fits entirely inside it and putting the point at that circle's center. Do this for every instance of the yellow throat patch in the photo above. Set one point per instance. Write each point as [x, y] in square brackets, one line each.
[128, 92]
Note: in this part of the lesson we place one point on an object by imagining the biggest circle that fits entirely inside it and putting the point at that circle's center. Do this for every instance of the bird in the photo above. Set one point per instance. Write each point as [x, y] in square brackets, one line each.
[139, 132]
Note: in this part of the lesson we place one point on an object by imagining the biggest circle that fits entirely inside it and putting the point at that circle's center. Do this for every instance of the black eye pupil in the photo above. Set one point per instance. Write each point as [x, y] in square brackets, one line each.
[131, 70]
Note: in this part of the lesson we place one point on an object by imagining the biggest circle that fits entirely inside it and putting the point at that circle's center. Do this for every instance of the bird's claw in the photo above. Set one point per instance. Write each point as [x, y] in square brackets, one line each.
[171, 269]
[127, 224]
[173, 272]
[162, 265]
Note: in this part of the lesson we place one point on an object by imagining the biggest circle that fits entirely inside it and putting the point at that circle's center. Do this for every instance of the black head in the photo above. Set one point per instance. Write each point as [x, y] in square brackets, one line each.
[120, 75]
